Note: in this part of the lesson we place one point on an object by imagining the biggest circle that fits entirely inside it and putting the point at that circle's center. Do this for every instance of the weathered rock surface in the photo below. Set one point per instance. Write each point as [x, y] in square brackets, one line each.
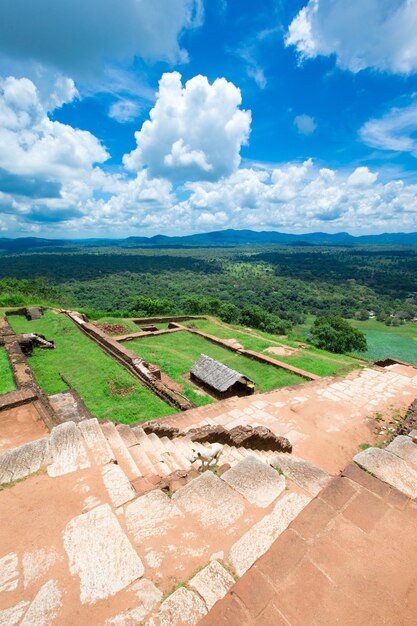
[23, 461]
[303, 473]
[260, 537]
[45, 607]
[13, 615]
[117, 484]
[100, 554]
[211, 499]
[182, 607]
[212, 583]
[150, 515]
[36, 564]
[404, 447]
[67, 449]
[255, 480]
[148, 596]
[390, 468]
[9, 572]
[96, 441]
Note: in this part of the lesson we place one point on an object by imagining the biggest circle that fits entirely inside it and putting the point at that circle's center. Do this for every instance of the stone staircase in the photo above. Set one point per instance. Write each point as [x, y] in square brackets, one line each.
[151, 524]
[396, 464]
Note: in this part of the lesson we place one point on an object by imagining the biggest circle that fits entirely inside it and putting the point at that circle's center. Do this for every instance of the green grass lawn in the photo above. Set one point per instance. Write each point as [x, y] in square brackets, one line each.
[108, 390]
[6, 376]
[177, 352]
[309, 359]
[389, 341]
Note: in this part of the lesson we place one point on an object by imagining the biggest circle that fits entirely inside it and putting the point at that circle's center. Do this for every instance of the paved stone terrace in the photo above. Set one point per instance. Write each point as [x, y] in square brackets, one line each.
[324, 420]
[349, 559]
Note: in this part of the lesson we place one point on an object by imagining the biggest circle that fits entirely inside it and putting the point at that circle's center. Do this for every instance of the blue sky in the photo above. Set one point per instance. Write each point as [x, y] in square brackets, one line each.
[120, 117]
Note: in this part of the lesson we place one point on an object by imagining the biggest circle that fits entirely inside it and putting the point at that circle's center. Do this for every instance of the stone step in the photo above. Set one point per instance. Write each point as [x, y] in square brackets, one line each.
[96, 441]
[117, 484]
[304, 473]
[67, 449]
[182, 607]
[390, 468]
[211, 500]
[100, 554]
[154, 454]
[404, 447]
[127, 434]
[256, 481]
[174, 450]
[141, 458]
[256, 541]
[212, 583]
[164, 453]
[20, 462]
[120, 450]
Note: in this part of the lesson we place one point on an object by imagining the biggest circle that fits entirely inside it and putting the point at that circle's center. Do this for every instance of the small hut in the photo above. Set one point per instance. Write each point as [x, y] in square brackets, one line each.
[220, 379]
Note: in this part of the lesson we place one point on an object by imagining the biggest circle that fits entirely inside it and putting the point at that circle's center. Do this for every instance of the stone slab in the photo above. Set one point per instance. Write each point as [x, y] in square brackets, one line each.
[148, 596]
[256, 481]
[211, 499]
[260, 537]
[13, 615]
[96, 441]
[151, 515]
[390, 468]
[404, 447]
[9, 572]
[100, 554]
[302, 472]
[45, 607]
[117, 484]
[67, 449]
[37, 563]
[212, 583]
[182, 607]
[20, 462]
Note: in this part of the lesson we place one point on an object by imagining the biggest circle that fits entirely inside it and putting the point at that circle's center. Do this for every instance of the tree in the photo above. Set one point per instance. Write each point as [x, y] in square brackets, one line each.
[333, 333]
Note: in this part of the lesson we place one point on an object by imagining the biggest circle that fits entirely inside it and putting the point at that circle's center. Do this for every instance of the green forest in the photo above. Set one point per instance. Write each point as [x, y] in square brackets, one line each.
[277, 289]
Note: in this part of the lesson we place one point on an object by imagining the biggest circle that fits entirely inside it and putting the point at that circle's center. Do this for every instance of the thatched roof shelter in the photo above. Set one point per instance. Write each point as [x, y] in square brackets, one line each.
[216, 375]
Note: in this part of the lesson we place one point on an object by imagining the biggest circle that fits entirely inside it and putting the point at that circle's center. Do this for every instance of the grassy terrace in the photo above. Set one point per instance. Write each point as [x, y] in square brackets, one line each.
[310, 359]
[385, 341]
[6, 376]
[108, 390]
[176, 353]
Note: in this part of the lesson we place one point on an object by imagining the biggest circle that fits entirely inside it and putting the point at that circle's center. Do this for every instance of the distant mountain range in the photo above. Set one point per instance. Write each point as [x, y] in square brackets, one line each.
[220, 238]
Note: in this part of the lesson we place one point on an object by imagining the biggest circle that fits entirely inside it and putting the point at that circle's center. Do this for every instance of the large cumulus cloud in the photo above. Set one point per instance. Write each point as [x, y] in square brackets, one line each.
[379, 34]
[195, 131]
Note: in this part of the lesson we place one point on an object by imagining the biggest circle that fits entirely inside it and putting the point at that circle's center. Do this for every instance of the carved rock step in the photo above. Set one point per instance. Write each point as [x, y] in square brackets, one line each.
[253, 544]
[120, 450]
[256, 481]
[404, 447]
[20, 462]
[67, 450]
[96, 441]
[302, 472]
[390, 468]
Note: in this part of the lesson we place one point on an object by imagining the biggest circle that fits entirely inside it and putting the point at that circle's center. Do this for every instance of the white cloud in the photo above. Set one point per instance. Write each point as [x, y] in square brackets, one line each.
[305, 124]
[379, 34]
[46, 168]
[78, 37]
[124, 110]
[396, 130]
[194, 132]
[362, 177]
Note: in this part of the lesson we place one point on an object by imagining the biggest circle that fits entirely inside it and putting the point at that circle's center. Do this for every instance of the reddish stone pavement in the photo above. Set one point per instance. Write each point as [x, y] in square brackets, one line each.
[350, 558]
